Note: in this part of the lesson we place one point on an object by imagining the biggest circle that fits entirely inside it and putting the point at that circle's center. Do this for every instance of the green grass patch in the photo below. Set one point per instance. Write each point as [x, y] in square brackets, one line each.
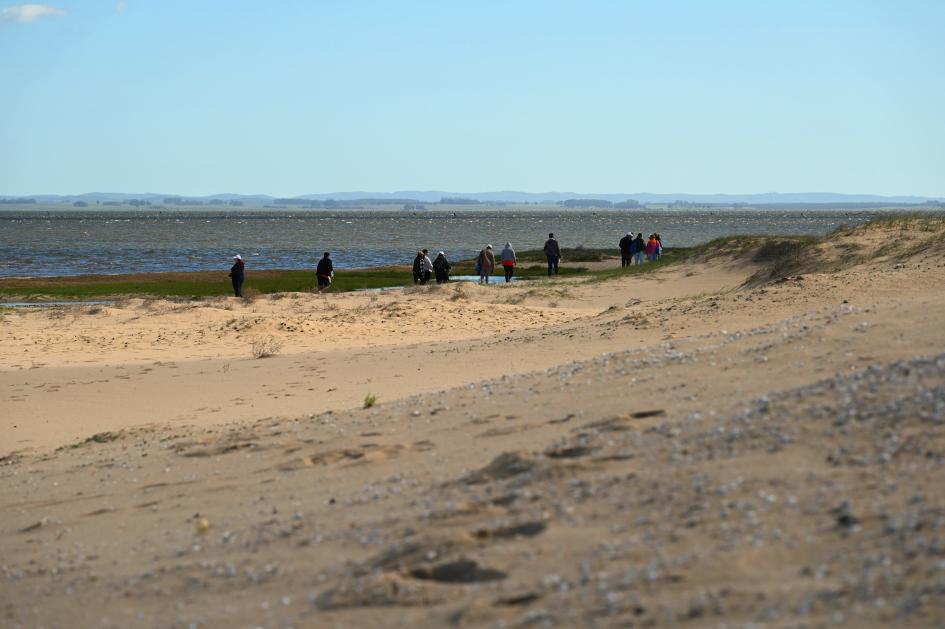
[670, 256]
[204, 284]
[577, 254]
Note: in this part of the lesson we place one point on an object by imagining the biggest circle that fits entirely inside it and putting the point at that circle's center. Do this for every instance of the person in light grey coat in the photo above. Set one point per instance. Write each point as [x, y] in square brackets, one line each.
[508, 261]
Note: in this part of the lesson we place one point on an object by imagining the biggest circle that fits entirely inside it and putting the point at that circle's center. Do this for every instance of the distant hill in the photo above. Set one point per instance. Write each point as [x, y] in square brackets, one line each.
[504, 196]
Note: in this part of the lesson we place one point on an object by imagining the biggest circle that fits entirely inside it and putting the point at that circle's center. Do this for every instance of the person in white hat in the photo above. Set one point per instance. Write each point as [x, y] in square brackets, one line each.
[441, 268]
[237, 274]
[485, 264]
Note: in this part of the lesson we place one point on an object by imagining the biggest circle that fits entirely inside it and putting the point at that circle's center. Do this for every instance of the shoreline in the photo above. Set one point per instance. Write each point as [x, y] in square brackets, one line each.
[200, 284]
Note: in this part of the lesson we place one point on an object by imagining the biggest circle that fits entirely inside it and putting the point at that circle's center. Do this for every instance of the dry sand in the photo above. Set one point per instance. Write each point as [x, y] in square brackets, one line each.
[710, 444]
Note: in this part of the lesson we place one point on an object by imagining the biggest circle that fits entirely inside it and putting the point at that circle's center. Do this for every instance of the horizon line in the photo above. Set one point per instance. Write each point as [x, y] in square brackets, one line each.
[577, 195]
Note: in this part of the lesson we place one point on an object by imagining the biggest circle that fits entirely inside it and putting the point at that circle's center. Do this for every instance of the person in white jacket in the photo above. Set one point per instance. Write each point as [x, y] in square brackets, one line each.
[427, 267]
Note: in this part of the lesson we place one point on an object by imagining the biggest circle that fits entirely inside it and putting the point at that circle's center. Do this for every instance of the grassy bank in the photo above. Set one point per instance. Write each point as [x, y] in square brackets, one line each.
[208, 284]
[215, 283]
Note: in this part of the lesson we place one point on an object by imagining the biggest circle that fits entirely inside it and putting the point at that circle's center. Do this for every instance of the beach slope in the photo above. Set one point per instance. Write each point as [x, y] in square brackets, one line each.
[754, 436]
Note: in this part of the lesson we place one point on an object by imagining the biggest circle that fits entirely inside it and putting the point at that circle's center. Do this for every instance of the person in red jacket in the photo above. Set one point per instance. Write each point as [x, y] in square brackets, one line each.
[651, 247]
[508, 261]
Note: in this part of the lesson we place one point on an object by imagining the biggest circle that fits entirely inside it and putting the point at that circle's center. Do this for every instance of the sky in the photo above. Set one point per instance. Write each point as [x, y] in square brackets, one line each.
[296, 97]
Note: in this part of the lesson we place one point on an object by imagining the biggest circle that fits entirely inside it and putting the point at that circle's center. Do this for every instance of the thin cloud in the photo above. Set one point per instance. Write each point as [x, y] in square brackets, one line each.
[29, 12]
[121, 6]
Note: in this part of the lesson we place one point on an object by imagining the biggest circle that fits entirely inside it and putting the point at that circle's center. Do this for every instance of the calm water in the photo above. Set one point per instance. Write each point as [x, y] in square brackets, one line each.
[38, 243]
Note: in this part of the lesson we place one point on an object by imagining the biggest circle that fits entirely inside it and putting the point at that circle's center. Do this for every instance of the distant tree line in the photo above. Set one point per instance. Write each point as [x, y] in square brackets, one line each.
[459, 201]
[331, 204]
[17, 201]
[185, 201]
[601, 203]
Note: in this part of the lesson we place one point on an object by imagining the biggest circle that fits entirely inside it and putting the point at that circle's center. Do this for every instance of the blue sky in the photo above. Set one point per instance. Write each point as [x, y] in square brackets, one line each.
[296, 97]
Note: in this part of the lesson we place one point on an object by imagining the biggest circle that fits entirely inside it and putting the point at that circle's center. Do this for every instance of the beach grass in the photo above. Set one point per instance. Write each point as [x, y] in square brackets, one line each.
[210, 284]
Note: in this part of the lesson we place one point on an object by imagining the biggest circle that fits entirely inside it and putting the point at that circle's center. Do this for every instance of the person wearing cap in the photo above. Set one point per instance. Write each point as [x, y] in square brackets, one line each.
[508, 261]
[324, 271]
[626, 249]
[441, 268]
[238, 274]
[486, 264]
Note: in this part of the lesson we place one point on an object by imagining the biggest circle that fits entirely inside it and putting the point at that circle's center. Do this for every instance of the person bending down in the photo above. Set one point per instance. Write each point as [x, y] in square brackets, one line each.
[325, 271]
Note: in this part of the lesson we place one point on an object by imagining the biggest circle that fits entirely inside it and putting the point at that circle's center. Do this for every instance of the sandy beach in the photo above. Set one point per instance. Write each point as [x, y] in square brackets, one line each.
[751, 436]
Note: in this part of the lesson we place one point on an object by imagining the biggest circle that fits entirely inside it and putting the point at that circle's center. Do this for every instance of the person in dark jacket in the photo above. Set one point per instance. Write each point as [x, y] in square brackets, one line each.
[238, 274]
[325, 271]
[553, 253]
[418, 268]
[639, 248]
[626, 249]
[441, 268]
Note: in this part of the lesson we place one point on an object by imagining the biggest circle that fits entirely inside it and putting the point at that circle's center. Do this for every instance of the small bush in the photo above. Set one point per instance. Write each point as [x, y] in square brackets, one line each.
[251, 294]
[370, 400]
[266, 346]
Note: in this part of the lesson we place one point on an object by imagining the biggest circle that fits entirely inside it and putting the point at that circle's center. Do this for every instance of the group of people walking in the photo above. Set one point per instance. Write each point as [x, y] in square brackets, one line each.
[324, 272]
[486, 260]
[633, 250]
[423, 268]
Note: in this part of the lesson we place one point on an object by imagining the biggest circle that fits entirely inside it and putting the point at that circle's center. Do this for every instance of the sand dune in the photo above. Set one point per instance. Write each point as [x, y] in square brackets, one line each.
[755, 437]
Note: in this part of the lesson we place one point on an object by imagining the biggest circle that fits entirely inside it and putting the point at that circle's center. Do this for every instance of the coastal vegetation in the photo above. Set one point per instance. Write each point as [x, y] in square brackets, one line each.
[211, 283]
[200, 284]
[774, 256]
